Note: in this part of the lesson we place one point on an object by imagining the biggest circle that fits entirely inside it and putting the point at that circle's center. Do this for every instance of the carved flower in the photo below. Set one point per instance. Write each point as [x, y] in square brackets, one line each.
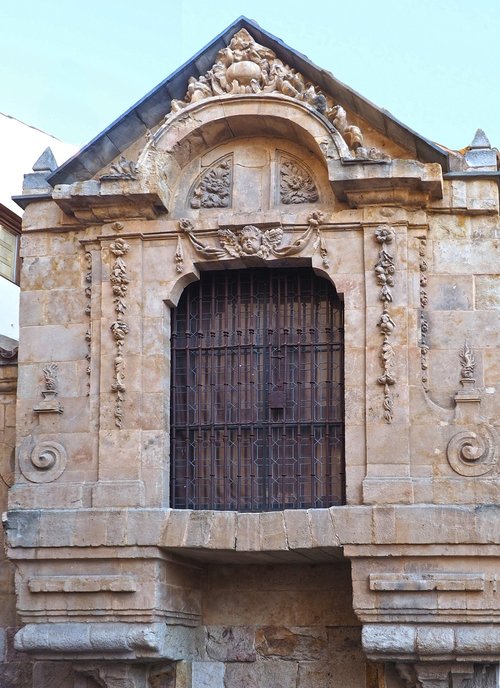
[213, 191]
[296, 185]
[119, 247]
[383, 234]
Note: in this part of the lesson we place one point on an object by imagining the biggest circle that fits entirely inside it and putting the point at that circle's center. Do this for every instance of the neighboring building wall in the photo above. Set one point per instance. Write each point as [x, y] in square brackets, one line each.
[15, 669]
[20, 146]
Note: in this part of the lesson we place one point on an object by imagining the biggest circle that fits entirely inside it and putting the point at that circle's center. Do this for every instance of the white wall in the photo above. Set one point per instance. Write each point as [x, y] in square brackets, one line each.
[20, 146]
[9, 308]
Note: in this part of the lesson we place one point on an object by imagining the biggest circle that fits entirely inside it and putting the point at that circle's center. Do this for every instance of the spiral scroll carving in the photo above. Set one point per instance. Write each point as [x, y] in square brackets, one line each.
[473, 452]
[42, 461]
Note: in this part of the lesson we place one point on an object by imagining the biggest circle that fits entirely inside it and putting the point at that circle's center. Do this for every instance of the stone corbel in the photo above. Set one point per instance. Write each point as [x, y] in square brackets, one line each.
[437, 655]
[116, 641]
[432, 644]
[109, 199]
[442, 675]
[402, 182]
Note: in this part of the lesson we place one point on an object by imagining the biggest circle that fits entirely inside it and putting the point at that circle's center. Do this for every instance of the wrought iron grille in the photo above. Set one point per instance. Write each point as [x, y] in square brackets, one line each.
[257, 392]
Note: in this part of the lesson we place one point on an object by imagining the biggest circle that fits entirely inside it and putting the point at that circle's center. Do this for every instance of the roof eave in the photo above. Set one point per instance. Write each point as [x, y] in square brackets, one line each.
[151, 109]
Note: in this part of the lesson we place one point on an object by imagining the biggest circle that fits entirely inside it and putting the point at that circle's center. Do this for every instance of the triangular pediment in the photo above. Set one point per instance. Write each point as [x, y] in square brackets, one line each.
[246, 59]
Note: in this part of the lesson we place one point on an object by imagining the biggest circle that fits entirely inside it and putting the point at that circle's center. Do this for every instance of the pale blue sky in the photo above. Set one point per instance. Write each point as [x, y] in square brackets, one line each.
[71, 68]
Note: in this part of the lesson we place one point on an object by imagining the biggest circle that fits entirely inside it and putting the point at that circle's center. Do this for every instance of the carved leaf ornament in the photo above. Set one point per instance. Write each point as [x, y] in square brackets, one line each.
[296, 184]
[214, 188]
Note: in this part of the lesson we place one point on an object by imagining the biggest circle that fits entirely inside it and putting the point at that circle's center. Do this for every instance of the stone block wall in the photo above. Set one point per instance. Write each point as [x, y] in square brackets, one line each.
[282, 625]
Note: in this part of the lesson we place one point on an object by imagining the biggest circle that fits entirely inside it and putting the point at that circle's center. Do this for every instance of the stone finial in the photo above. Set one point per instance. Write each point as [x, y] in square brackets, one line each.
[36, 182]
[480, 140]
[480, 154]
[468, 398]
[46, 162]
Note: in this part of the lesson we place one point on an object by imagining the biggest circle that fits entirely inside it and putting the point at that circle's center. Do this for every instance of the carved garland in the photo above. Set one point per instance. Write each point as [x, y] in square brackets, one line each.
[424, 323]
[252, 241]
[119, 328]
[88, 308]
[384, 272]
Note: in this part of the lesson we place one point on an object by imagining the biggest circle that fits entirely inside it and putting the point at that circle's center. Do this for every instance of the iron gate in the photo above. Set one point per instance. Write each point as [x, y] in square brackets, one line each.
[257, 392]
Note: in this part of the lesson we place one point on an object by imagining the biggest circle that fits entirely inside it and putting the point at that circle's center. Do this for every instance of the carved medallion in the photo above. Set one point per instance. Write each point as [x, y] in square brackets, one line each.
[473, 452]
[296, 184]
[213, 189]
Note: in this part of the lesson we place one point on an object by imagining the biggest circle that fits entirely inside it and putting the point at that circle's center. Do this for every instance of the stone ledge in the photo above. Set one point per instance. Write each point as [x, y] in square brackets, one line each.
[105, 640]
[400, 642]
[423, 582]
[294, 530]
[82, 584]
[407, 181]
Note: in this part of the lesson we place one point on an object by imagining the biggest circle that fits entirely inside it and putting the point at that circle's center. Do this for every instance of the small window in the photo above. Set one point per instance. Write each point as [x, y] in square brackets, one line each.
[9, 254]
[257, 392]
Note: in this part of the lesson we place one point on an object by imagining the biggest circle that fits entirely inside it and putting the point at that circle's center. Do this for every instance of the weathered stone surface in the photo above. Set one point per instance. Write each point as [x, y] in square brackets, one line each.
[48, 674]
[291, 643]
[270, 673]
[231, 643]
[16, 675]
[208, 675]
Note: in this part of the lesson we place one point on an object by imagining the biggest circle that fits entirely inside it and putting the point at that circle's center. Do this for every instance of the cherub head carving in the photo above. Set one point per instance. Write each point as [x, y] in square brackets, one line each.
[250, 240]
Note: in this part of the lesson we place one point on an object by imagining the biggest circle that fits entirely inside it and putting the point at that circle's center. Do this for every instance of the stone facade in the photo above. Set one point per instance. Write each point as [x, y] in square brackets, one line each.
[252, 157]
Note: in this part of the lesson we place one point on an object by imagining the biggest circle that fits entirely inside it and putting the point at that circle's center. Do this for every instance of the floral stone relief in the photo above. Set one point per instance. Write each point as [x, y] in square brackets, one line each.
[296, 184]
[213, 188]
[119, 329]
